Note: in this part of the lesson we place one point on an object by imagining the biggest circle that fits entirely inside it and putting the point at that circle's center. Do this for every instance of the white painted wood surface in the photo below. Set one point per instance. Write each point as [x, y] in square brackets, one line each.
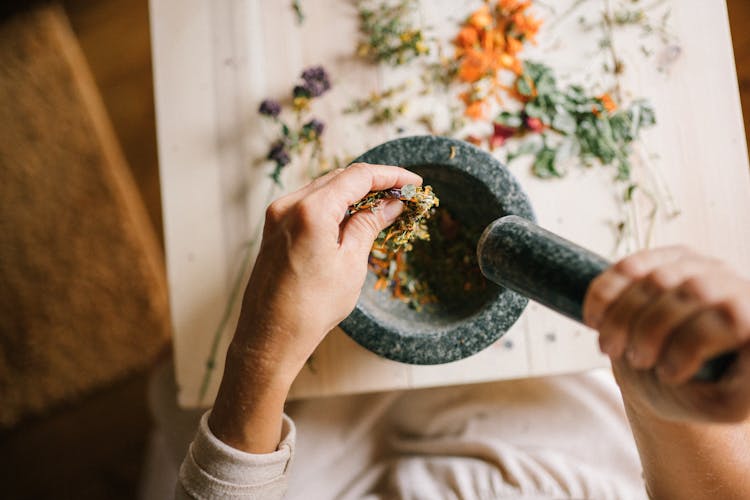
[215, 61]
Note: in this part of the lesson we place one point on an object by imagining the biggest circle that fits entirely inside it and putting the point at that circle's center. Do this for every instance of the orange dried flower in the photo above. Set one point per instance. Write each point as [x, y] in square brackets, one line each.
[489, 41]
[481, 18]
[474, 66]
[514, 45]
[467, 37]
[509, 5]
[475, 110]
[608, 103]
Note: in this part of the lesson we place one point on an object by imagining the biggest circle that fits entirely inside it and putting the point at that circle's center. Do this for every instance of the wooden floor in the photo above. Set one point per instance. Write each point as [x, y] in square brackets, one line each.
[93, 449]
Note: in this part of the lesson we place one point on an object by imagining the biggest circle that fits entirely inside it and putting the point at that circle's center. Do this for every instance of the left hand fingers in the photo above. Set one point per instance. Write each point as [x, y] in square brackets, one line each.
[290, 199]
[363, 227]
[355, 182]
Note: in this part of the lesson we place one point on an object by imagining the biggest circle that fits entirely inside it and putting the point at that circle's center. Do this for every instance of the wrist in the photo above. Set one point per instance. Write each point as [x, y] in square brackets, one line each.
[266, 366]
[277, 349]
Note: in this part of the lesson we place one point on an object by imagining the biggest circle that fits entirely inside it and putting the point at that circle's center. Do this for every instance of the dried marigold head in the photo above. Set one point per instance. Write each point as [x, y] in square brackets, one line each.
[525, 26]
[474, 65]
[481, 18]
[509, 5]
[467, 37]
[475, 110]
[607, 102]
[513, 45]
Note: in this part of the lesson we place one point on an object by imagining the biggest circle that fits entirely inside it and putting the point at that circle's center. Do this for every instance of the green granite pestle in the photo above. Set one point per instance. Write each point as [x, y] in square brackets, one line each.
[521, 256]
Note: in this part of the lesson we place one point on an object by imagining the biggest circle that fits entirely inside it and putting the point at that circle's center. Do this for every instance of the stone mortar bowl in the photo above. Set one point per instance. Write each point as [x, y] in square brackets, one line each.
[476, 189]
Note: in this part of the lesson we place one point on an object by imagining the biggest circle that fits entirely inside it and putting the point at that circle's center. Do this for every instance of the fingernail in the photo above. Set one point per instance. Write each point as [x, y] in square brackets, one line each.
[392, 209]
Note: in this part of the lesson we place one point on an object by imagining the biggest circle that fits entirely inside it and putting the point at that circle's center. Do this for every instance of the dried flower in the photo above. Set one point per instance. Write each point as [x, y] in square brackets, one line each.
[269, 107]
[312, 129]
[383, 107]
[298, 140]
[500, 134]
[534, 124]
[489, 42]
[316, 81]
[279, 153]
[608, 102]
[388, 34]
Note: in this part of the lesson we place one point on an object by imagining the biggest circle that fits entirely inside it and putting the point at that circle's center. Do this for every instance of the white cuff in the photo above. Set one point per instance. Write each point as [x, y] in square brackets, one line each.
[213, 468]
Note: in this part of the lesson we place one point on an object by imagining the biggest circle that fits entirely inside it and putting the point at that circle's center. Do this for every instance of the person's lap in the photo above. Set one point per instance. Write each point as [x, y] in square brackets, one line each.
[557, 435]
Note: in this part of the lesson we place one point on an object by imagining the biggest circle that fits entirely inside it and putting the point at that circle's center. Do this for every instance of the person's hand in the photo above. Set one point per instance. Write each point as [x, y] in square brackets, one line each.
[661, 314]
[312, 263]
[307, 277]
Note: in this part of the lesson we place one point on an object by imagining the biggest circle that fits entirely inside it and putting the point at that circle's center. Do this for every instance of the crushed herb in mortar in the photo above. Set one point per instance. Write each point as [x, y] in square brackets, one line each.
[406, 255]
[451, 250]
[419, 204]
[388, 255]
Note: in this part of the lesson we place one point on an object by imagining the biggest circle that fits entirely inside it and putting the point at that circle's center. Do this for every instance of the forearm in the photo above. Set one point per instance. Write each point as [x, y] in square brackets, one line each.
[690, 460]
[249, 407]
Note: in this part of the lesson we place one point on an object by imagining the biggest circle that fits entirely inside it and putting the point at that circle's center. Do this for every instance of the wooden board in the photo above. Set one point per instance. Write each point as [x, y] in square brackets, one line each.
[214, 63]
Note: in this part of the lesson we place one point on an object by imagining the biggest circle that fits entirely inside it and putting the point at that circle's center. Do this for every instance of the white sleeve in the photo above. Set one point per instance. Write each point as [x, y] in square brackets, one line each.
[213, 469]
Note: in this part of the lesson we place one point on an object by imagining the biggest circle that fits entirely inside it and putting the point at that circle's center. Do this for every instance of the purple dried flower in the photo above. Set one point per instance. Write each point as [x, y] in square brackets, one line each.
[316, 81]
[313, 129]
[269, 107]
[279, 154]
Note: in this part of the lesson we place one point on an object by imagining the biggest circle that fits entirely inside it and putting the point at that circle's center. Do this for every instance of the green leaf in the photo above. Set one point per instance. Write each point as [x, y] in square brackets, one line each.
[567, 149]
[544, 164]
[276, 175]
[564, 122]
[530, 145]
[629, 192]
[534, 110]
[523, 86]
[513, 120]
[623, 169]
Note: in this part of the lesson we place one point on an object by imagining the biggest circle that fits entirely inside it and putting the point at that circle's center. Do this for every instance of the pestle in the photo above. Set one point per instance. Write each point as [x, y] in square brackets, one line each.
[517, 254]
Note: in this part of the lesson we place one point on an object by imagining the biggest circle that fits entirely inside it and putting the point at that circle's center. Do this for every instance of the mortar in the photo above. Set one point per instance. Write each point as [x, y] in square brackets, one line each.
[476, 189]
